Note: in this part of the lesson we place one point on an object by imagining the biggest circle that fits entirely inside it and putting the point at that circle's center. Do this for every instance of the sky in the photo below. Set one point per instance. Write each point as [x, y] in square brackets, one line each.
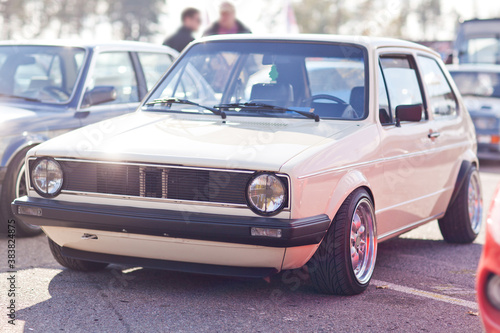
[251, 13]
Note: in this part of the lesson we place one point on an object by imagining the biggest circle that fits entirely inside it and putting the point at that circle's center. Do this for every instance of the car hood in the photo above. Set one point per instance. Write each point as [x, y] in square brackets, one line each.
[254, 143]
[10, 116]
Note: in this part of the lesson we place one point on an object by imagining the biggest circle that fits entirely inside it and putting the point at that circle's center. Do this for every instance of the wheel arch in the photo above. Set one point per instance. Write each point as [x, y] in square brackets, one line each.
[349, 183]
[12, 152]
[463, 171]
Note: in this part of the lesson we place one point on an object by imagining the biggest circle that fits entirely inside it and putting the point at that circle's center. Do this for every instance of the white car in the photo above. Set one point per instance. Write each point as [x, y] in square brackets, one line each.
[267, 172]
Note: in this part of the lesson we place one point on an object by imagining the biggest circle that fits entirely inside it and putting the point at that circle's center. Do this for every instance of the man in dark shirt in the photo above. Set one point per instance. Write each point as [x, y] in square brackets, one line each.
[227, 23]
[191, 22]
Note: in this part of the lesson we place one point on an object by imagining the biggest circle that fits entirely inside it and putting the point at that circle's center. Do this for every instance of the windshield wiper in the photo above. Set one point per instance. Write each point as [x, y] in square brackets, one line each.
[170, 101]
[29, 99]
[270, 107]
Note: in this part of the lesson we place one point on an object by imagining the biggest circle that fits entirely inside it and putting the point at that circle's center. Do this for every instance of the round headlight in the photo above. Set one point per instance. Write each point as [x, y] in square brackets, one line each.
[47, 177]
[493, 290]
[266, 194]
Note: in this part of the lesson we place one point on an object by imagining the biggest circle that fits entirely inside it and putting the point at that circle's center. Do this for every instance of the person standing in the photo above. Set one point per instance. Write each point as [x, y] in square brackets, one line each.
[191, 21]
[227, 23]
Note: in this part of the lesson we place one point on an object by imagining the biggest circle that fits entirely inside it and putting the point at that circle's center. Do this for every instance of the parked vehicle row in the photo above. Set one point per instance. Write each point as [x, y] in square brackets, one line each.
[480, 88]
[259, 154]
[47, 89]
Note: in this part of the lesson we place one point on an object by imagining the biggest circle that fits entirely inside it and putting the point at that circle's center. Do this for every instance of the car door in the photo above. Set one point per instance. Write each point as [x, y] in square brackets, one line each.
[448, 133]
[113, 75]
[409, 182]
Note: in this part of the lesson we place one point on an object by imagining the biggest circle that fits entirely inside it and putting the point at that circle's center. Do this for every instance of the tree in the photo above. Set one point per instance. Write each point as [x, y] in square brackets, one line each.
[320, 16]
[429, 11]
[12, 13]
[136, 20]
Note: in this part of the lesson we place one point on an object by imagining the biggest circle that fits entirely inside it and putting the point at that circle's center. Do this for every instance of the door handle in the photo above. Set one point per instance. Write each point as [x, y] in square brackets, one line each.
[433, 135]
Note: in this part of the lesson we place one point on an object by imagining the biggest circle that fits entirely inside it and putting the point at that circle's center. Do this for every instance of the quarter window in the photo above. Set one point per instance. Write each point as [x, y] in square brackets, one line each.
[442, 101]
[402, 81]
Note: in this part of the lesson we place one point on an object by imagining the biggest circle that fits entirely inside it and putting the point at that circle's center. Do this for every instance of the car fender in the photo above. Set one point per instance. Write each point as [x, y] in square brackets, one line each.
[19, 145]
[351, 181]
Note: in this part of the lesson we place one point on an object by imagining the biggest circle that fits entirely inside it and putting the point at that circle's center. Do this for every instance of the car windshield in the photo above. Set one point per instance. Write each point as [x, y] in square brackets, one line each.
[481, 84]
[267, 79]
[484, 50]
[39, 73]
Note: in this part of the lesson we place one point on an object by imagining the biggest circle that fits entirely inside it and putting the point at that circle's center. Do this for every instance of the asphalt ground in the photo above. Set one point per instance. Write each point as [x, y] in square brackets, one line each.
[420, 284]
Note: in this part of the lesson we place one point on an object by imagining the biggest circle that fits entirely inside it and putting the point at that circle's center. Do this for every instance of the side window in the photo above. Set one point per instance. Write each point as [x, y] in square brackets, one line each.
[384, 107]
[115, 69]
[402, 82]
[442, 101]
[154, 65]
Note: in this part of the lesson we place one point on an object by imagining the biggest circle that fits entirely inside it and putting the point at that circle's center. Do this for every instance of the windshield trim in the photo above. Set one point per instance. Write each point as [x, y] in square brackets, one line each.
[78, 77]
[271, 115]
[363, 48]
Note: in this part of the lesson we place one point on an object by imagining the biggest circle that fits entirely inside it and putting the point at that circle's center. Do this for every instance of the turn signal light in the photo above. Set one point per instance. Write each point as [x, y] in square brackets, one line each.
[266, 232]
[33, 211]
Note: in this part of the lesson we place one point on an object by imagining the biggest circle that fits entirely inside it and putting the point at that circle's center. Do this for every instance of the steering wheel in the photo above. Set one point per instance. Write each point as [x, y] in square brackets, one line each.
[325, 96]
[56, 91]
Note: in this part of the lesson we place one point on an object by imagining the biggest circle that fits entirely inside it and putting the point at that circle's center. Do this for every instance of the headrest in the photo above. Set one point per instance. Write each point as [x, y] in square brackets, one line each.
[357, 99]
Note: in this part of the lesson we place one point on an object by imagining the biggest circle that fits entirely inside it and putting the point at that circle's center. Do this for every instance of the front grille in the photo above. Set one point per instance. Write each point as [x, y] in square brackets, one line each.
[161, 182]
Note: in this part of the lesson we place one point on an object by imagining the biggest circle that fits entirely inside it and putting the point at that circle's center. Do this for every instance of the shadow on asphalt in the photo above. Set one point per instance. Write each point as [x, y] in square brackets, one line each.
[119, 294]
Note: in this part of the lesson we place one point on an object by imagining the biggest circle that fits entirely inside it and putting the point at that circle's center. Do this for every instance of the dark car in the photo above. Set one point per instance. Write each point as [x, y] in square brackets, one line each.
[47, 89]
[480, 88]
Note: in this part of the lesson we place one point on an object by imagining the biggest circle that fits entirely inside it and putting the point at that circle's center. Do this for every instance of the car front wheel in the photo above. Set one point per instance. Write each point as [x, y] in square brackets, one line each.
[74, 264]
[345, 260]
[14, 186]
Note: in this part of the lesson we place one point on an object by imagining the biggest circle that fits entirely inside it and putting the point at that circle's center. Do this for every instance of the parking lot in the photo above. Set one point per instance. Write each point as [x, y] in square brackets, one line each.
[420, 284]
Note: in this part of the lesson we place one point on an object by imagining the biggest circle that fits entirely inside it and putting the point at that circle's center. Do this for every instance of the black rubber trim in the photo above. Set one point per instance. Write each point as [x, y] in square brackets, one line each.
[246, 272]
[178, 224]
[462, 175]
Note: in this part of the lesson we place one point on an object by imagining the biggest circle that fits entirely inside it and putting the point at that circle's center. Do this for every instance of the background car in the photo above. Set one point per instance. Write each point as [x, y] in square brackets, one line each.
[478, 41]
[488, 273]
[480, 88]
[273, 168]
[47, 89]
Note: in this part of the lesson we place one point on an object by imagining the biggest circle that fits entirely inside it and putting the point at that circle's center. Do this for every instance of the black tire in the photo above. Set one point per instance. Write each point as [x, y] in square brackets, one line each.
[331, 268]
[74, 264]
[9, 193]
[457, 226]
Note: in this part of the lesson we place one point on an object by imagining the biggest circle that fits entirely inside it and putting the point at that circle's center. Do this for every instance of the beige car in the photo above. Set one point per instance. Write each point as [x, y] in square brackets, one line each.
[255, 155]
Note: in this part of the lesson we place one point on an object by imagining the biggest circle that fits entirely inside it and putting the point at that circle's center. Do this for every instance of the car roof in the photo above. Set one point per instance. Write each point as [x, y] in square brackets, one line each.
[368, 42]
[474, 68]
[101, 45]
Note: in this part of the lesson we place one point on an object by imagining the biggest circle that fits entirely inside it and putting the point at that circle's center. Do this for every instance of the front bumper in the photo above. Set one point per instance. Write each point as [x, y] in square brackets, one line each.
[172, 224]
[488, 151]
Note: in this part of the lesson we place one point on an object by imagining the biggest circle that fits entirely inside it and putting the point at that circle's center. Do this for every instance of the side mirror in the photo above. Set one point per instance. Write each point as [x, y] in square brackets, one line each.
[99, 95]
[409, 113]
